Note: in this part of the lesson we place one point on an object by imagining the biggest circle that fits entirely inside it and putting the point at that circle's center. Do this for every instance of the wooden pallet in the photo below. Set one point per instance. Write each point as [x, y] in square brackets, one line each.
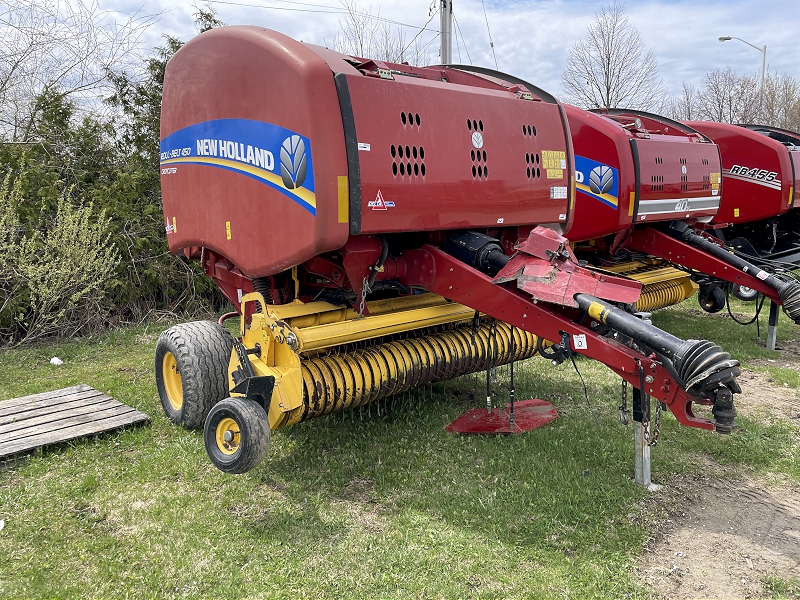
[53, 417]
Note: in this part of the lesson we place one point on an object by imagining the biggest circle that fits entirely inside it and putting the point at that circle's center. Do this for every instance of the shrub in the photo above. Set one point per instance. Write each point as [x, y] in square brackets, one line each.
[53, 278]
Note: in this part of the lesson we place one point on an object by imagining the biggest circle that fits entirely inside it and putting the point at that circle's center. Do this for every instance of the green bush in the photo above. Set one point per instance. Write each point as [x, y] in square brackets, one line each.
[53, 279]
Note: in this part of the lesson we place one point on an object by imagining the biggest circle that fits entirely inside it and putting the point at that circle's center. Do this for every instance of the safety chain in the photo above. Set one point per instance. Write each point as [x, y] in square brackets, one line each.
[656, 428]
[623, 417]
[364, 291]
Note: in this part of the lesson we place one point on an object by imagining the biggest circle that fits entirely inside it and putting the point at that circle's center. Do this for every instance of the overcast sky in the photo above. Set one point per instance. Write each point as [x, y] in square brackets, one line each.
[532, 37]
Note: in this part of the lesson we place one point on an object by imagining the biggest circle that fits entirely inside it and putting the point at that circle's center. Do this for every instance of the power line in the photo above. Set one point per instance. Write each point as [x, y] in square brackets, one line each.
[462, 38]
[432, 13]
[331, 10]
[491, 43]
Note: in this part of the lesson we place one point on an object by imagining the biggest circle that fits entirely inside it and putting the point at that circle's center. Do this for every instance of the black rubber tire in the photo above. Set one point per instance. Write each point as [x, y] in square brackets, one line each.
[745, 294]
[711, 298]
[253, 435]
[202, 351]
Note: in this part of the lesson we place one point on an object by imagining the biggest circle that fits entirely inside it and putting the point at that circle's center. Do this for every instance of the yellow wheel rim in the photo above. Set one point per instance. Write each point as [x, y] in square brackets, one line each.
[172, 381]
[228, 436]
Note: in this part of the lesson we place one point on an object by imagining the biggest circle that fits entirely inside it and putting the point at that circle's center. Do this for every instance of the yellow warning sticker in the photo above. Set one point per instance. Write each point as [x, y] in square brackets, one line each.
[228, 229]
[554, 159]
[174, 225]
[595, 311]
[555, 174]
[735, 212]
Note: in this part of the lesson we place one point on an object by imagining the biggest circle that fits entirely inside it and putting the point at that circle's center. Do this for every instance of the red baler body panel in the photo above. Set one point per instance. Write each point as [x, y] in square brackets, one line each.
[473, 176]
[243, 88]
[677, 170]
[756, 170]
[259, 161]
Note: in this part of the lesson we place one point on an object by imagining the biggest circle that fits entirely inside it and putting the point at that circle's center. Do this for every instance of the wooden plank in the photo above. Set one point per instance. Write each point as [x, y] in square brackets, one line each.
[52, 418]
[19, 412]
[59, 416]
[81, 387]
[72, 433]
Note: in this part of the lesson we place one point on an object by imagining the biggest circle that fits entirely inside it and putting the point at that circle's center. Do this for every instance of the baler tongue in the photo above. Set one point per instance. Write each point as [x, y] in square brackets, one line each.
[545, 267]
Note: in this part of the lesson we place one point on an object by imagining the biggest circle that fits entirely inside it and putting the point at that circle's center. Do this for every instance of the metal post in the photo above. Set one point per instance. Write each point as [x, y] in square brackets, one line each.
[641, 412]
[772, 328]
[446, 31]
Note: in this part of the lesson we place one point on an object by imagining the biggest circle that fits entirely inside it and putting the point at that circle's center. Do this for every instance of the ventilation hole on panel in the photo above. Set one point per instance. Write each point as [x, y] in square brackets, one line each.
[480, 171]
[528, 159]
[416, 169]
[403, 117]
[414, 151]
[524, 130]
[538, 173]
[479, 156]
[400, 151]
[485, 171]
[402, 168]
[410, 119]
[394, 168]
[484, 156]
[529, 172]
[537, 158]
[469, 124]
[530, 130]
[394, 152]
[472, 154]
[408, 152]
[416, 118]
[408, 168]
[534, 130]
[480, 125]
[421, 152]
[422, 169]
[474, 170]
[474, 124]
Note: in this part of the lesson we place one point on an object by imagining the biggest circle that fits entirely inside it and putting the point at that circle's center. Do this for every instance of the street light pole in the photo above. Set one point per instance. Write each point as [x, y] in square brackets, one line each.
[763, 51]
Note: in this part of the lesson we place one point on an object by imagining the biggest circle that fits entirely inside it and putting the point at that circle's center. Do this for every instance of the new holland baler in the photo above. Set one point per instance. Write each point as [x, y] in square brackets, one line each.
[650, 187]
[757, 218]
[379, 227]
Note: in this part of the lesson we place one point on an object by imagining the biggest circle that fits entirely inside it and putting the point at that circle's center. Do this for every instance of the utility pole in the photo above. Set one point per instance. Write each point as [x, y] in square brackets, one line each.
[446, 31]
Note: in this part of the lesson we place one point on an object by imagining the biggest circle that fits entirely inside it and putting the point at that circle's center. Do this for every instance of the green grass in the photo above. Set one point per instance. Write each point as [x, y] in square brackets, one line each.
[357, 504]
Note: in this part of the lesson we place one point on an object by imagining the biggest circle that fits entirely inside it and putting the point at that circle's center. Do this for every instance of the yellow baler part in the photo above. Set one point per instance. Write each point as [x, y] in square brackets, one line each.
[356, 330]
[321, 313]
[335, 382]
[666, 293]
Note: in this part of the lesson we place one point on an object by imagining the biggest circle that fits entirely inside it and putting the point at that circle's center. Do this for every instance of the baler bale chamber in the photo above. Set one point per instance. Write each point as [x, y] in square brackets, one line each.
[379, 227]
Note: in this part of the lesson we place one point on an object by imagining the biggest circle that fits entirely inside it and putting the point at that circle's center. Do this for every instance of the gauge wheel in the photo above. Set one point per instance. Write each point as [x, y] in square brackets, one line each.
[711, 298]
[237, 435]
[191, 366]
[744, 293]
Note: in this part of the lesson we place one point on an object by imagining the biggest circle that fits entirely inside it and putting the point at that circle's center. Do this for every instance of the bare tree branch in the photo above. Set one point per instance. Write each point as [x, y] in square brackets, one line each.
[611, 68]
[62, 45]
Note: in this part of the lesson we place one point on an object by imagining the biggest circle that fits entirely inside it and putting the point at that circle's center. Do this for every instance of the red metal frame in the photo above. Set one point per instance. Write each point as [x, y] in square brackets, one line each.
[659, 244]
[431, 268]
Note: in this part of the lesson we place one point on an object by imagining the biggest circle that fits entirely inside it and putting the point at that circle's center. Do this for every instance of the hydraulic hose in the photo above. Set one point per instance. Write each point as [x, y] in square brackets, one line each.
[788, 291]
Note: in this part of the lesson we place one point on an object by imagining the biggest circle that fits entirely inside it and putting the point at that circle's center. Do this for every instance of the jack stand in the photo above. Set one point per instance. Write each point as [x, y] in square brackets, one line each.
[641, 449]
[772, 328]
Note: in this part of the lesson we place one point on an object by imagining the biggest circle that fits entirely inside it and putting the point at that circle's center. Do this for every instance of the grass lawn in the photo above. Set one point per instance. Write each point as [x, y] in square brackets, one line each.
[365, 504]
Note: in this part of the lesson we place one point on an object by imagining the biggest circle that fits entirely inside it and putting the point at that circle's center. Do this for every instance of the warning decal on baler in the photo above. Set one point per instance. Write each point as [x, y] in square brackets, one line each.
[597, 180]
[270, 154]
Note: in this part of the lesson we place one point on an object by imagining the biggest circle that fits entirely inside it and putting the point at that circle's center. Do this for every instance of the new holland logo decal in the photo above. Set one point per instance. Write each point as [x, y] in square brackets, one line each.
[270, 154]
[597, 181]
